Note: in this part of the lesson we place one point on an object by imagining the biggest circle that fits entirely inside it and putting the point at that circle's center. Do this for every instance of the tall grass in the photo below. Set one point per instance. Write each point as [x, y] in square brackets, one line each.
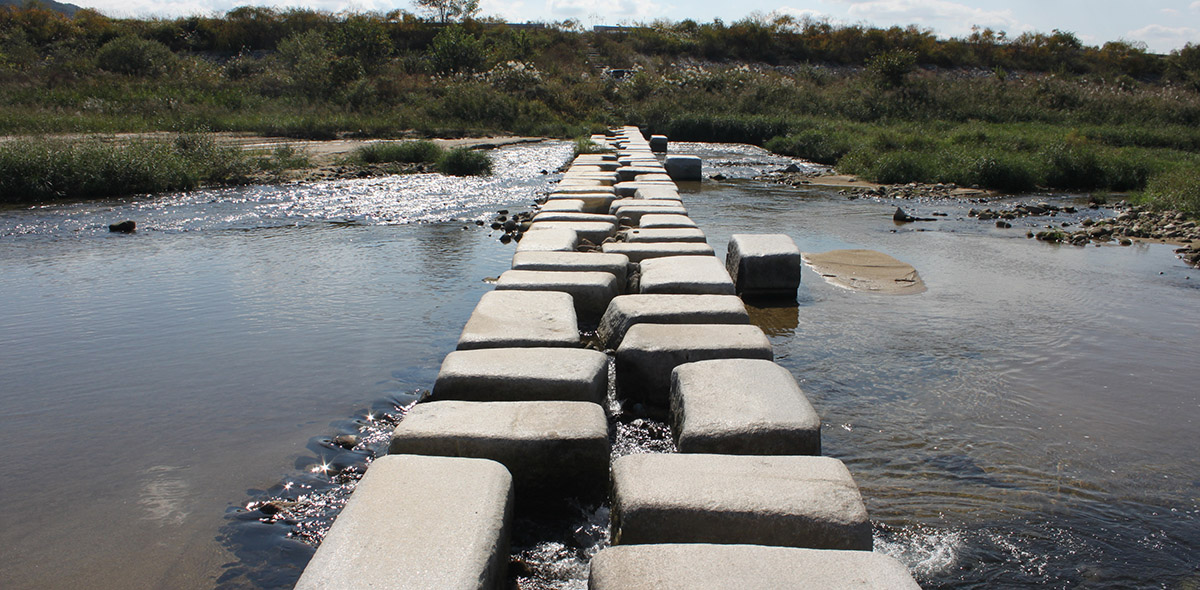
[412, 152]
[1177, 189]
[465, 162]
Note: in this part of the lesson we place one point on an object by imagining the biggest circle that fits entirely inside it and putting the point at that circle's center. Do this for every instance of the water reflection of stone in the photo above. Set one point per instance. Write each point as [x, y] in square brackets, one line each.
[775, 319]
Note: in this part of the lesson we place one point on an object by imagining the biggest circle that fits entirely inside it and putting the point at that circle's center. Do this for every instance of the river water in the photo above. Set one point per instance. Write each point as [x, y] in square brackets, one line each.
[1029, 420]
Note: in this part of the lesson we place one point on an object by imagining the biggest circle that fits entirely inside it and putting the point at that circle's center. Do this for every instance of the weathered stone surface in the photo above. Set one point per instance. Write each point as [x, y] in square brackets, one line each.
[658, 143]
[614, 264]
[649, 352]
[583, 189]
[592, 231]
[631, 214]
[626, 173]
[590, 290]
[523, 374]
[630, 188]
[683, 167]
[686, 275]
[701, 566]
[573, 205]
[549, 240]
[582, 183]
[657, 191]
[593, 202]
[595, 158]
[573, 216]
[627, 311]
[664, 234]
[506, 319]
[764, 265]
[419, 523]
[639, 251]
[553, 449]
[741, 407]
[789, 501]
[621, 203]
[652, 177]
[665, 221]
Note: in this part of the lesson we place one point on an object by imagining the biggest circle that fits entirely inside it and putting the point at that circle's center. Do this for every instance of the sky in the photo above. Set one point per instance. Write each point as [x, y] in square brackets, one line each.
[1163, 25]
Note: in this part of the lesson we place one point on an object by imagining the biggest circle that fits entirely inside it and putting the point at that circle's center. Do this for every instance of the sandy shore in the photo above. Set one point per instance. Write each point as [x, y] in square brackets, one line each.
[866, 270]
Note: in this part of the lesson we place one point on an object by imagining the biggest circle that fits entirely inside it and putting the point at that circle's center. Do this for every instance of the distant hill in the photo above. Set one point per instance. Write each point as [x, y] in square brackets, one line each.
[67, 9]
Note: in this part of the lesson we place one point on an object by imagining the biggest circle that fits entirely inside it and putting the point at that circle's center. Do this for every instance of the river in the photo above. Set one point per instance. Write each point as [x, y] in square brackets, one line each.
[1029, 420]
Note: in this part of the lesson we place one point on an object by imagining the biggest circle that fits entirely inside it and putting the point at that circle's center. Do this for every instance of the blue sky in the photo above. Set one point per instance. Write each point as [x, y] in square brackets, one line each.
[1162, 25]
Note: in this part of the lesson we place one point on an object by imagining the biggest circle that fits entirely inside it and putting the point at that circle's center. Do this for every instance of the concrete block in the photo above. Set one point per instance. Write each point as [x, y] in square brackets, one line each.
[506, 319]
[614, 264]
[554, 450]
[639, 251]
[583, 189]
[659, 191]
[652, 177]
[621, 203]
[629, 188]
[572, 216]
[579, 184]
[703, 566]
[593, 202]
[605, 178]
[594, 158]
[571, 205]
[523, 374]
[787, 501]
[419, 523]
[632, 214]
[658, 144]
[627, 311]
[649, 352]
[591, 291]
[664, 234]
[593, 231]
[687, 275]
[764, 265]
[548, 240]
[741, 407]
[664, 221]
[684, 167]
[626, 173]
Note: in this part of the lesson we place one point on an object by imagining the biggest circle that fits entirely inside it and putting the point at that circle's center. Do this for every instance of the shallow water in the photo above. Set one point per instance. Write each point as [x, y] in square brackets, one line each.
[1027, 421]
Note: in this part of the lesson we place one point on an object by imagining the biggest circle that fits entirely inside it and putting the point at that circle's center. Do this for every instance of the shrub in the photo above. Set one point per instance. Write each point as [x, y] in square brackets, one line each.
[135, 56]
[891, 68]
[454, 50]
[818, 146]
[585, 145]
[465, 162]
[1177, 189]
[1000, 172]
[405, 151]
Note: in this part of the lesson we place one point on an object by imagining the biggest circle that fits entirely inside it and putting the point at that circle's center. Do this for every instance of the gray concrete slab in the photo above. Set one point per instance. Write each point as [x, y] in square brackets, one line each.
[523, 374]
[506, 319]
[658, 191]
[631, 214]
[575, 205]
[419, 523]
[652, 177]
[639, 251]
[549, 240]
[593, 202]
[703, 566]
[573, 216]
[665, 221]
[685, 275]
[764, 265]
[684, 167]
[649, 352]
[658, 143]
[618, 204]
[663, 234]
[741, 407]
[590, 290]
[627, 311]
[630, 188]
[787, 501]
[555, 450]
[591, 188]
[625, 173]
[593, 231]
[614, 264]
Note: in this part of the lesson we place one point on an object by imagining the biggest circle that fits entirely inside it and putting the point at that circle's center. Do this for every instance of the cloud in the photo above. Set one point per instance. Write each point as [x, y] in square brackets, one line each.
[1162, 39]
[509, 11]
[803, 13]
[614, 9]
[1195, 5]
[947, 17]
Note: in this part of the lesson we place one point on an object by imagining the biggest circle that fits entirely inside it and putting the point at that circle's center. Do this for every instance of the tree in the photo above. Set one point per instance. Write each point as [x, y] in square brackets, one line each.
[445, 10]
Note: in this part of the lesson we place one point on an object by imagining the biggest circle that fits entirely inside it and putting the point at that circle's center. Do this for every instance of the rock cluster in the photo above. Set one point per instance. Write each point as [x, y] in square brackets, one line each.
[911, 190]
[512, 226]
[1024, 210]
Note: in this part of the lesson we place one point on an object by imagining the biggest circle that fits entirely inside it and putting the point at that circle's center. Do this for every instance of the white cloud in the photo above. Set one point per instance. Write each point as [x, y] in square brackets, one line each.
[1162, 39]
[948, 18]
[803, 13]
[509, 11]
[608, 11]
[1195, 5]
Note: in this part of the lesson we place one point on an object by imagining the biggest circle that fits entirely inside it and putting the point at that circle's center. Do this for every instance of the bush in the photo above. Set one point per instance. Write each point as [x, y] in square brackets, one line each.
[465, 162]
[818, 146]
[405, 151]
[454, 50]
[1177, 189]
[753, 129]
[585, 145]
[135, 56]
[1000, 172]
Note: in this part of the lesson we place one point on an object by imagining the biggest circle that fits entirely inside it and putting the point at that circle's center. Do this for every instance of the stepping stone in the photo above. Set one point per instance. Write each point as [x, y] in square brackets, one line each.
[591, 291]
[583, 189]
[764, 265]
[639, 251]
[626, 173]
[578, 184]
[618, 204]
[593, 202]
[652, 177]
[425, 523]
[523, 374]
[632, 214]
[548, 240]
[665, 221]
[741, 407]
[649, 352]
[554, 450]
[664, 234]
[595, 158]
[507, 319]
[686, 275]
[572, 216]
[570, 205]
[787, 501]
[657, 192]
[614, 264]
[702, 566]
[658, 143]
[684, 167]
[593, 231]
[629, 188]
[627, 311]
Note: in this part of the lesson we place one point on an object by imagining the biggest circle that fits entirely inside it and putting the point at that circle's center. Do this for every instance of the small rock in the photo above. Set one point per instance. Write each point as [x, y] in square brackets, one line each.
[902, 217]
[1003, 224]
[125, 227]
[346, 441]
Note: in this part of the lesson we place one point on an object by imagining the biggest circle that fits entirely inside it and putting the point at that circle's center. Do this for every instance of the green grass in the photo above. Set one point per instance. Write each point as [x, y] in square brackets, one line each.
[1177, 189]
[411, 152]
[465, 162]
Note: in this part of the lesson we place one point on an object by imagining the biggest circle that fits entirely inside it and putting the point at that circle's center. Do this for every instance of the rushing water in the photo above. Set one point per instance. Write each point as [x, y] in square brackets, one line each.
[1029, 420]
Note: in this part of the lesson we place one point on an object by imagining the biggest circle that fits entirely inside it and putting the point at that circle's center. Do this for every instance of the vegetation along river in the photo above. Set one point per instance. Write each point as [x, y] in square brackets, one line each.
[1028, 420]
